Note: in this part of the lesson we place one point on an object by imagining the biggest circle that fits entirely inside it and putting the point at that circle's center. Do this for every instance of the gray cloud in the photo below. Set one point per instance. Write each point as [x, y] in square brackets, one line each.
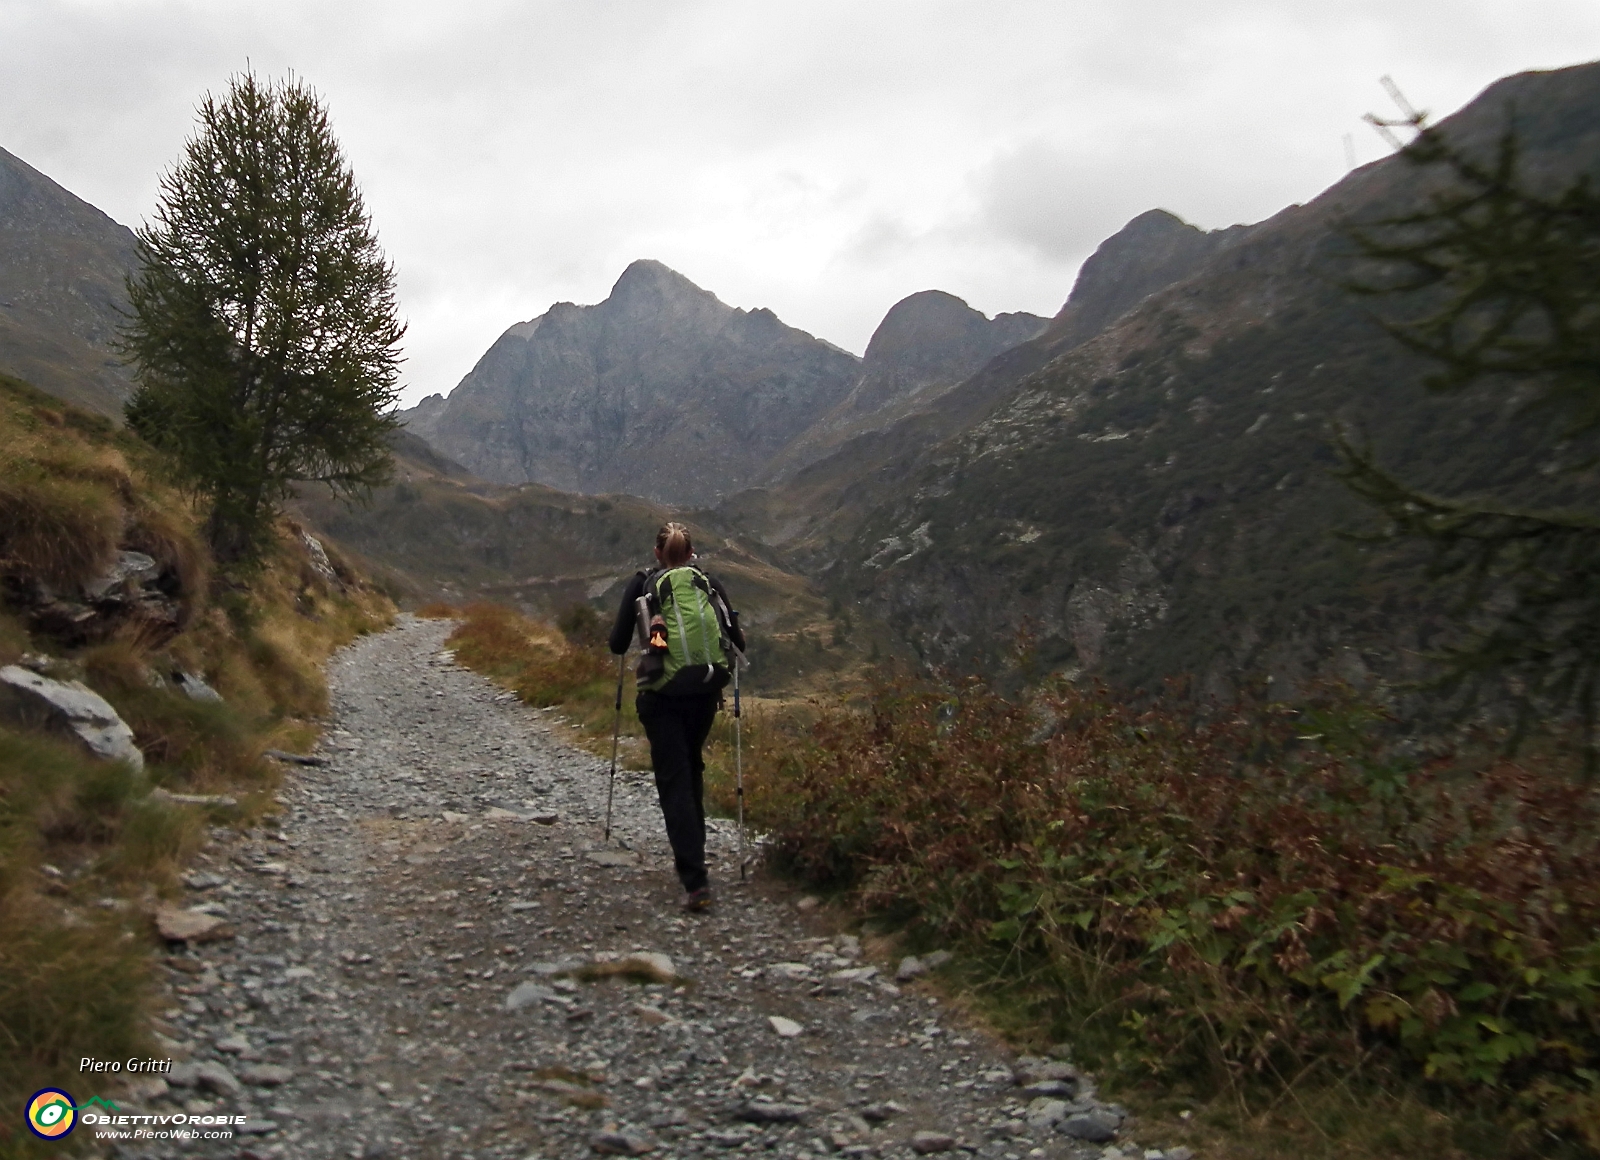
[824, 159]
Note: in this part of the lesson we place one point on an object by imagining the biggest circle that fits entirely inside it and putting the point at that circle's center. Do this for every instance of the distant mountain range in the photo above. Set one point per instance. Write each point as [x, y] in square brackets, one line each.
[664, 391]
[1138, 487]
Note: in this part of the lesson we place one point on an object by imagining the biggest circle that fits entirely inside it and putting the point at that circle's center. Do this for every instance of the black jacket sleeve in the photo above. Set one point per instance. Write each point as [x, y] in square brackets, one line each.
[627, 615]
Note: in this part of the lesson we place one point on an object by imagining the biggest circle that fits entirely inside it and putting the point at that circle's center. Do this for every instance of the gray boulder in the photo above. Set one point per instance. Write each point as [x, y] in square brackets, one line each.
[1094, 1127]
[1032, 1070]
[215, 1078]
[266, 1075]
[1044, 1113]
[127, 572]
[910, 967]
[527, 994]
[1061, 1089]
[913, 965]
[68, 708]
[764, 1112]
[195, 688]
[621, 1143]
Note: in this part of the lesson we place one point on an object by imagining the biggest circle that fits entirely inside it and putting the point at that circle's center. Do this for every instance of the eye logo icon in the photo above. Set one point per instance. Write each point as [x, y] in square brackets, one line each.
[51, 1114]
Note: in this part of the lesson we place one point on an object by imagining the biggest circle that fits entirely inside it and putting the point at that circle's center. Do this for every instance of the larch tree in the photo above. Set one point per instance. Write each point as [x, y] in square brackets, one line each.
[1494, 281]
[263, 327]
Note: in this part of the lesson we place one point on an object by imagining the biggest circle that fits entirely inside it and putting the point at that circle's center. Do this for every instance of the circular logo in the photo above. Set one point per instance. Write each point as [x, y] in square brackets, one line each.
[50, 1113]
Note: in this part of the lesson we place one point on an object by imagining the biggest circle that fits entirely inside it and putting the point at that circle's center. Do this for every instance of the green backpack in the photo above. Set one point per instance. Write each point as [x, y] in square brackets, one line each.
[693, 657]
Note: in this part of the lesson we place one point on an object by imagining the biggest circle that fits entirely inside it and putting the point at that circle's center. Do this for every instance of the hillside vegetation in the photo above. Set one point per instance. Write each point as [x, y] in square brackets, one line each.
[87, 850]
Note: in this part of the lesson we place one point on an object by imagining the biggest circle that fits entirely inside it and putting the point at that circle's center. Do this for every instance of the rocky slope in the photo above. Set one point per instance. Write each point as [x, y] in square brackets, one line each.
[1157, 499]
[660, 391]
[953, 367]
[926, 344]
[62, 264]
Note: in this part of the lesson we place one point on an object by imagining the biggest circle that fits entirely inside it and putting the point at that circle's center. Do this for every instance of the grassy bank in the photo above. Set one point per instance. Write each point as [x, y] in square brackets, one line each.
[86, 851]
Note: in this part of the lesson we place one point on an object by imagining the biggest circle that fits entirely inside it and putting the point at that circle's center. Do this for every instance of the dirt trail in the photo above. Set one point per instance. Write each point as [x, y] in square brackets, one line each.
[396, 988]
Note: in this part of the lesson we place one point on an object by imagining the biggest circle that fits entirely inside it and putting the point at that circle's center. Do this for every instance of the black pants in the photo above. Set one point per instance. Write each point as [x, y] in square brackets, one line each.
[677, 728]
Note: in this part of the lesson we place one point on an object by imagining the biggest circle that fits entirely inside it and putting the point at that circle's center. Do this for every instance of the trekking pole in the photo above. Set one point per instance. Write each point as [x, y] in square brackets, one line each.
[738, 759]
[616, 736]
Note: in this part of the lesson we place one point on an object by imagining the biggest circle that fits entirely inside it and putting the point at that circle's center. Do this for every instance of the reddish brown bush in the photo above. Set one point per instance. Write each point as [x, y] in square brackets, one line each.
[1247, 895]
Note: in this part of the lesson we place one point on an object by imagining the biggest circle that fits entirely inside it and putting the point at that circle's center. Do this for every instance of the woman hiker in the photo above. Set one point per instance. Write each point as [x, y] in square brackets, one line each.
[685, 666]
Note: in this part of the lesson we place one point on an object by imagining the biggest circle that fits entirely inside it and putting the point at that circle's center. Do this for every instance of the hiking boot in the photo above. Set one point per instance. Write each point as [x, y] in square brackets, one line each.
[698, 900]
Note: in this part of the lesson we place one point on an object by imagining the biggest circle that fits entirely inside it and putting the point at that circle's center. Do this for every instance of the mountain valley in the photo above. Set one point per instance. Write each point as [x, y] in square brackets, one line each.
[1139, 488]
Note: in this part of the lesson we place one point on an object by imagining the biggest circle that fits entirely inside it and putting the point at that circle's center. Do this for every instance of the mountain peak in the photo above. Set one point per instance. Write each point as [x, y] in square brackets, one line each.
[932, 339]
[918, 322]
[647, 282]
[1151, 252]
[662, 390]
[1154, 223]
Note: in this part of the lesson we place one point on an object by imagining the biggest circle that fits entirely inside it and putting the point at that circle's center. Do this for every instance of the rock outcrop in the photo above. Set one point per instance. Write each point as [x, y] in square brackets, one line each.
[423, 419]
[69, 709]
[134, 589]
[661, 391]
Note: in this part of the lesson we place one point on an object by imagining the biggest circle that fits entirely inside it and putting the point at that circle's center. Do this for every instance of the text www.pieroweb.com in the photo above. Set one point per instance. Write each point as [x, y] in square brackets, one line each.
[175, 1127]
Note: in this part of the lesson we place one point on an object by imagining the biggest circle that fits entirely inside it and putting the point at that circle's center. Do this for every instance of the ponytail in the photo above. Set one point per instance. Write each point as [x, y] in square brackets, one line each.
[673, 542]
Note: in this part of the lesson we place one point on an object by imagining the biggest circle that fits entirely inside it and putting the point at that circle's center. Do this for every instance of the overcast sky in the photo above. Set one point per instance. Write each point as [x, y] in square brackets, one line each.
[824, 159]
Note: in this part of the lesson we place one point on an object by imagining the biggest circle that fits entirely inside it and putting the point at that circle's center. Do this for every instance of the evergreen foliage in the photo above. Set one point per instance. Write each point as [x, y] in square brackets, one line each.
[1496, 281]
[263, 319]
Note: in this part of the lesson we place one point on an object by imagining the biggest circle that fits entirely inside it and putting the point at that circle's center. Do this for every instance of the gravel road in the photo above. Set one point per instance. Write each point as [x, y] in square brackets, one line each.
[435, 955]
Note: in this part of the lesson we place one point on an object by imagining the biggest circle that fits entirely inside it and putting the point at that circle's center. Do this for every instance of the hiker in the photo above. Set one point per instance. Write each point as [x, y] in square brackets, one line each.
[686, 623]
